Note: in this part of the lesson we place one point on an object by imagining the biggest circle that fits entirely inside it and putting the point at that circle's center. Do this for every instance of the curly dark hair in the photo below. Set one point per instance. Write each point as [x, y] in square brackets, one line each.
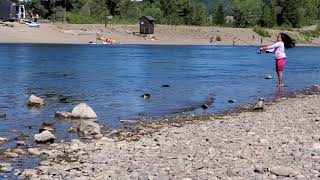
[287, 40]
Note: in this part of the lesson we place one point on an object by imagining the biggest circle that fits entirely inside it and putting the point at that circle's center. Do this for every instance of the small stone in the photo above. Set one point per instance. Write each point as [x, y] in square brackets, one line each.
[83, 111]
[44, 137]
[258, 169]
[11, 154]
[6, 169]
[205, 106]
[146, 96]
[21, 143]
[89, 128]
[14, 130]
[259, 106]
[232, 101]
[300, 177]
[280, 171]
[35, 101]
[63, 115]
[18, 151]
[2, 140]
[264, 141]
[34, 152]
[268, 77]
[317, 119]
[72, 130]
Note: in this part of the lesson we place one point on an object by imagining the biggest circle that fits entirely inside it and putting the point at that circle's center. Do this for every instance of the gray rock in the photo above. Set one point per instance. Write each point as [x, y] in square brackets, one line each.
[280, 171]
[83, 111]
[89, 128]
[35, 101]
[72, 130]
[317, 119]
[44, 137]
[258, 177]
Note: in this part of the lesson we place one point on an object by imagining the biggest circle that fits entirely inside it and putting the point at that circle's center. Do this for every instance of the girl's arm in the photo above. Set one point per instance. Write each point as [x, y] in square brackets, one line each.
[276, 45]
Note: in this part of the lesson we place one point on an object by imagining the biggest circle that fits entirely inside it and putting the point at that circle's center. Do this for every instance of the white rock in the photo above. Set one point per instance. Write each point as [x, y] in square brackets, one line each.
[268, 77]
[280, 171]
[44, 136]
[63, 115]
[316, 146]
[2, 139]
[35, 101]
[83, 111]
[89, 128]
[11, 154]
[6, 169]
[34, 151]
[18, 151]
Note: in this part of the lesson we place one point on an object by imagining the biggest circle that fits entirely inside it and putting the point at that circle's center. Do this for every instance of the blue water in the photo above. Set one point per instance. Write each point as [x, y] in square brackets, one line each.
[111, 79]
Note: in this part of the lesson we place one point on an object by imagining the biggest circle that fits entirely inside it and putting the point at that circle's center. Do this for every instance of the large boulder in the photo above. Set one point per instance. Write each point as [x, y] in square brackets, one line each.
[35, 101]
[83, 111]
[89, 128]
[44, 137]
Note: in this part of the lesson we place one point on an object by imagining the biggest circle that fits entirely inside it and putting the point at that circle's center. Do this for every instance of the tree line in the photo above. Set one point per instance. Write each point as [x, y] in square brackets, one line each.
[245, 13]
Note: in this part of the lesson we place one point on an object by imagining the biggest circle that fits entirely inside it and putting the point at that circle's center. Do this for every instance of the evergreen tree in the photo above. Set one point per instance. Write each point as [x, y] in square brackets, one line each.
[218, 14]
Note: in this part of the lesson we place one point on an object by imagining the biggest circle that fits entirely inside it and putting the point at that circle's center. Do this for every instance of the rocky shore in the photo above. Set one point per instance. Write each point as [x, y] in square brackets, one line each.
[280, 142]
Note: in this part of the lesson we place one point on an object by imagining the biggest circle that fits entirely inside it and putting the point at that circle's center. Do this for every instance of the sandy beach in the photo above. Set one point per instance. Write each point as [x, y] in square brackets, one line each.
[124, 34]
[280, 142]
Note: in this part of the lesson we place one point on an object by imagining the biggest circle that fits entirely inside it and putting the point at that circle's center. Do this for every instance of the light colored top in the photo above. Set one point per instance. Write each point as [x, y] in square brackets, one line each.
[278, 50]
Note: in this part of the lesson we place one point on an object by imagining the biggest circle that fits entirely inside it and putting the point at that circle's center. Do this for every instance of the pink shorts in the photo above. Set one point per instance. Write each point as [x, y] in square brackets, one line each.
[280, 64]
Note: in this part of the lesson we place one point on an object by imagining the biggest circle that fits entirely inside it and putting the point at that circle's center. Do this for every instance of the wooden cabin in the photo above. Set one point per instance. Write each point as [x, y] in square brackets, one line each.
[147, 24]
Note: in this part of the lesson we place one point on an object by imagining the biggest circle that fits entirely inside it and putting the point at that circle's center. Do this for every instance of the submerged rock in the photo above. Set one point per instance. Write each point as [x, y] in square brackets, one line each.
[89, 128]
[3, 116]
[35, 101]
[146, 96]
[44, 137]
[83, 111]
[5, 167]
[232, 101]
[72, 130]
[205, 106]
[63, 115]
[268, 77]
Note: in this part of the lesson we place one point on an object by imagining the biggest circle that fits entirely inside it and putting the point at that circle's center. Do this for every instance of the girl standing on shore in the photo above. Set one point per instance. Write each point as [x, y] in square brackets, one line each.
[283, 41]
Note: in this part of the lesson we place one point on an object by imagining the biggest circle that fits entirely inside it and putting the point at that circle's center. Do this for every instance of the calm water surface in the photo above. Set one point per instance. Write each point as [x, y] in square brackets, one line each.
[111, 79]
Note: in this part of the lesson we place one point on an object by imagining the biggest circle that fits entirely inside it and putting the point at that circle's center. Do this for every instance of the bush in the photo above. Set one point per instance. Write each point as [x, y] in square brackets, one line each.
[262, 32]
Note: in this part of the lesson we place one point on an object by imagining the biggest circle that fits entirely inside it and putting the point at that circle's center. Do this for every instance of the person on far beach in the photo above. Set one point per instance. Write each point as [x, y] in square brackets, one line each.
[283, 42]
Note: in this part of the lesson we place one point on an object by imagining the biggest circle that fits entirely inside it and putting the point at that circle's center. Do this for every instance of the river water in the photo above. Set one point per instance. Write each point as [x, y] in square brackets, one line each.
[111, 79]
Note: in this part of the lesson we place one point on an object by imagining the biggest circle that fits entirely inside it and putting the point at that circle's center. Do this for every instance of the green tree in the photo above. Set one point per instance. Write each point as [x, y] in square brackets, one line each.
[218, 14]
[268, 15]
[246, 12]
